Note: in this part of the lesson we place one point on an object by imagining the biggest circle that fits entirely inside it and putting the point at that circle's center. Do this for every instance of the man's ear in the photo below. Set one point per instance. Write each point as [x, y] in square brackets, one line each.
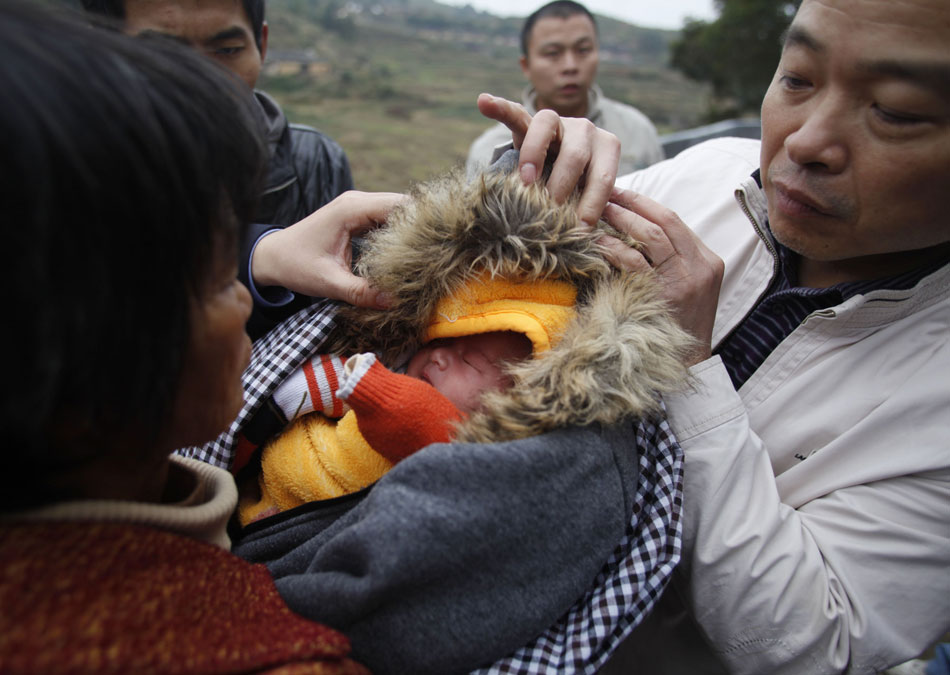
[523, 61]
[263, 40]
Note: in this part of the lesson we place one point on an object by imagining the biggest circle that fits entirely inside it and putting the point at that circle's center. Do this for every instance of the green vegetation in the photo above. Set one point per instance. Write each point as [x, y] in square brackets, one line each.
[737, 53]
[395, 82]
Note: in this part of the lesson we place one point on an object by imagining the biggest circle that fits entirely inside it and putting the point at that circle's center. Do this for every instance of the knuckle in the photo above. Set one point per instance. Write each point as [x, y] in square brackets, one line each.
[547, 116]
[652, 233]
[586, 125]
[602, 178]
[667, 215]
[574, 154]
[582, 130]
[348, 197]
[606, 136]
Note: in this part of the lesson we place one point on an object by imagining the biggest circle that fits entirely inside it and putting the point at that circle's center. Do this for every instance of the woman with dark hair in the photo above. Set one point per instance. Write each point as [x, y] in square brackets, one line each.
[129, 172]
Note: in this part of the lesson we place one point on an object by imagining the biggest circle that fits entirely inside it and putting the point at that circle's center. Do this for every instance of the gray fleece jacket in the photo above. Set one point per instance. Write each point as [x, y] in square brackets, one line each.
[460, 554]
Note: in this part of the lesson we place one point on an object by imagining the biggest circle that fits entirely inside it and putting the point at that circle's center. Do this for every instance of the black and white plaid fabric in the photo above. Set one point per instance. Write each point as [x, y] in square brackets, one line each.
[632, 579]
[275, 356]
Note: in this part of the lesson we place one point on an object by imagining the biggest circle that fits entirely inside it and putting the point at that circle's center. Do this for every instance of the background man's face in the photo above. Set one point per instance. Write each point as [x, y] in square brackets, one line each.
[856, 130]
[562, 63]
[219, 28]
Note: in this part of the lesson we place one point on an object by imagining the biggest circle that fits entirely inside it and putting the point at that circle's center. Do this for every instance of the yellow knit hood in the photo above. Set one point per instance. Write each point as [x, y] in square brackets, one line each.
[541, 309]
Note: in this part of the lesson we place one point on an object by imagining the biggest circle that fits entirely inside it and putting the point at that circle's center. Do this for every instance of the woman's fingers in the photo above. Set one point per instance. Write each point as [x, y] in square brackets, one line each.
[313, 255]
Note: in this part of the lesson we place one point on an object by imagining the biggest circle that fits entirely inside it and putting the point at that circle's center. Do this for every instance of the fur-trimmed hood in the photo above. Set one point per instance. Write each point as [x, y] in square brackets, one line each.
[614, 360]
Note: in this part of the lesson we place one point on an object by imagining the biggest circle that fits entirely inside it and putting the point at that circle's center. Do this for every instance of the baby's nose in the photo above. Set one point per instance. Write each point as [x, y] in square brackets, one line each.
[443, 357]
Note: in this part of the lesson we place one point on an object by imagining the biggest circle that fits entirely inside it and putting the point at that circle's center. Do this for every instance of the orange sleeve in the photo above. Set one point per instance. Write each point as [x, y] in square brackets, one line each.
[398, 414]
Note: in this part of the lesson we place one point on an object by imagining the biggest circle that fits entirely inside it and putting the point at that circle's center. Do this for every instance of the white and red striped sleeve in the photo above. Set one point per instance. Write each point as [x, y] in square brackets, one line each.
[312, 388]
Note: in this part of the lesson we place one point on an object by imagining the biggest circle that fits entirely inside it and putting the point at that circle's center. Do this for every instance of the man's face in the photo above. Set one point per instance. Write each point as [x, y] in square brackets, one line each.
[562, 63]
[856, 135]
[219, 28]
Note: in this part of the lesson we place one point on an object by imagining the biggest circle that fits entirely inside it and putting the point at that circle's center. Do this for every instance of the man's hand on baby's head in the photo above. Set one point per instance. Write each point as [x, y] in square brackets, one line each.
[582, 154]
[689, 272]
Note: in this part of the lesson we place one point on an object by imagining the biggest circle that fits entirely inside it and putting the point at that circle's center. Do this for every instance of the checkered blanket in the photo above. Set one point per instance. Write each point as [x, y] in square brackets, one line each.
[275, 356]
[631, 580]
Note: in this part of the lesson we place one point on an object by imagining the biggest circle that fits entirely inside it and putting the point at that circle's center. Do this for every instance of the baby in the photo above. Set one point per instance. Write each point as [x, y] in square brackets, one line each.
[463, 368]
[467, 264]
[351, 420]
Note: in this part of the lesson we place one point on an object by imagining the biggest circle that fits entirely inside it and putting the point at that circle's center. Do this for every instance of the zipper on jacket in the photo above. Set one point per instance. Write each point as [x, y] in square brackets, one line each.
[741, 198]
[286, 184]
[827, 313]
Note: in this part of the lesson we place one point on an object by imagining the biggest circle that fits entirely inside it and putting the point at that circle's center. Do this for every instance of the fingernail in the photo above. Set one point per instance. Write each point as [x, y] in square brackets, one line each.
[529, 172]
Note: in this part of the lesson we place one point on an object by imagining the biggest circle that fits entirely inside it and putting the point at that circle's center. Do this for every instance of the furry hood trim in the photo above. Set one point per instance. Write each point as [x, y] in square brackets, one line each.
[615, 358]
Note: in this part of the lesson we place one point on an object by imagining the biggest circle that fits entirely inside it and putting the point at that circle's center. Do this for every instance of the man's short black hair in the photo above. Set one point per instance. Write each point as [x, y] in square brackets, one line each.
[254, 9]
[561, 9]
[128, 165]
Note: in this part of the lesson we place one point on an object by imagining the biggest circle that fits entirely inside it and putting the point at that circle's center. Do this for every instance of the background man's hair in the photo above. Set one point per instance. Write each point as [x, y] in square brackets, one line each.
[254, 9]
[561, 9]
[128, 164]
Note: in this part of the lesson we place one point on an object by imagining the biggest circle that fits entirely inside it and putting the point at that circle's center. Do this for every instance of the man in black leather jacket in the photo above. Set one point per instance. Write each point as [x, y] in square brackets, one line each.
[306, 168]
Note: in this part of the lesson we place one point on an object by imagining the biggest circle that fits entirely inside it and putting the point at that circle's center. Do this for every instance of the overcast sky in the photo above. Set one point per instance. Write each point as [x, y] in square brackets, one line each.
[651, 13]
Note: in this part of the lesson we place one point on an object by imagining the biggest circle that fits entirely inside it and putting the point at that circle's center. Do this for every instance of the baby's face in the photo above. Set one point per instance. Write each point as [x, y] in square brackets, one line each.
[463, 368]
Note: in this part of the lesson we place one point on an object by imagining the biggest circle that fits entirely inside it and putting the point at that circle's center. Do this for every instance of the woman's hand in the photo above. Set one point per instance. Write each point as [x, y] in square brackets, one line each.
[690, 274]
[313, 256]
[584, 155]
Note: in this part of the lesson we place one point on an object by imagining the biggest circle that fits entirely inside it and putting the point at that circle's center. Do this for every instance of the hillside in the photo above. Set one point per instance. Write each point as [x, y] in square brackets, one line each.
[395, 82]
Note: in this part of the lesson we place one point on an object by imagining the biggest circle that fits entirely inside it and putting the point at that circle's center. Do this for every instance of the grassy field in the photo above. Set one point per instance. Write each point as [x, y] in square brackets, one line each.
[402, 103]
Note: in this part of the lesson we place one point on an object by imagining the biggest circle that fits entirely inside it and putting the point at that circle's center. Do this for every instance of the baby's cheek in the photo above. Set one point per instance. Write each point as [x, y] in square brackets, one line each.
[501, 380]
